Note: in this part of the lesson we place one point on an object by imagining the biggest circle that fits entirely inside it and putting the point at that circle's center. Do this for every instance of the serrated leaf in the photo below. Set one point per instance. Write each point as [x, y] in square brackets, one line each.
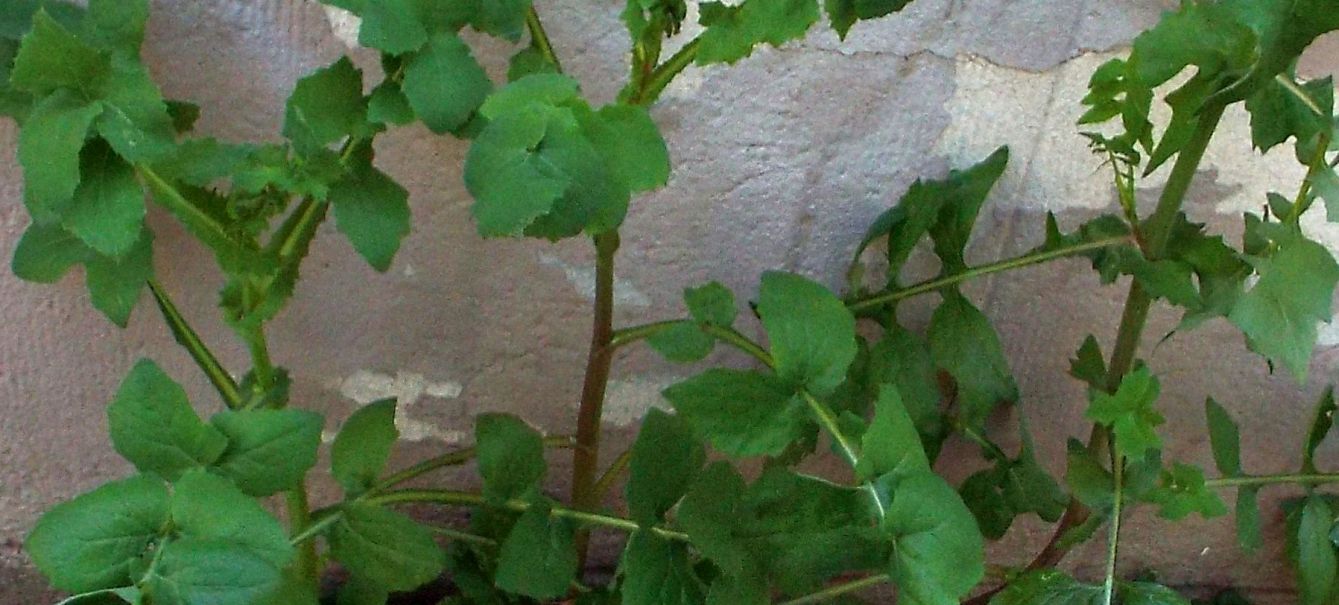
[1316, 560]
[193, 571]
[963, 343]
[135, 119]
[444, 84]
[153, 425]
[115, 284]
[1278, 114]
[91, 542]
[665, 459]
[1130, 413]
[51, 57]
[45, 254]
[372, 210]
[1224, 438]
[938, 553]
[844, 13]
[116, 24]
[107, 208]
[511, 456]
[732, 31]
[683, 342]
[1280, 313]
[268, 450]
[513, 185]
[631, 144]
[326, 106]
[208, 507]
[363, 446]
[809, 331]
[741, 413]
[385, 547]
[48, 149]
[1183, 492]
[539, 557]
[657, 572]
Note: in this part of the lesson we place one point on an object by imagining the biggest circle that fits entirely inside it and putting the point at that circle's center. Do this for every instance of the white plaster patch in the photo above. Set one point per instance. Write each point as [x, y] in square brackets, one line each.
[407, 388]
[628, 401]
[344, 25]
[1328, 335]
[583, 279]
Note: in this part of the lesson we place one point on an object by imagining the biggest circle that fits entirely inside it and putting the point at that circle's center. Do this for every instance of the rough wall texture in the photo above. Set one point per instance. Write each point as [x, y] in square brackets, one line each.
[781, 162]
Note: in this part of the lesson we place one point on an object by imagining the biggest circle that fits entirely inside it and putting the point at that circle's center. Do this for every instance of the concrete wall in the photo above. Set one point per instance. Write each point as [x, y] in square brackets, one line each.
[781, 162]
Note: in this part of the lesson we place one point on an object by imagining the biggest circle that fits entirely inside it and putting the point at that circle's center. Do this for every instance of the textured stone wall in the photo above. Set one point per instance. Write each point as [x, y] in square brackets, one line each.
[781, 162]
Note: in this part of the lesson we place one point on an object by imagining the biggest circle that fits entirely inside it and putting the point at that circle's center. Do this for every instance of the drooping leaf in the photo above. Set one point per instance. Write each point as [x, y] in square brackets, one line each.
[1316, 560]
[966, 193]
[107, 208]
[1224, 438]
[1047, 587]
[92, 542]
[206, 506]
[502, 18]
[844, 13]
[49, 150]
[372, 210]
[444, 84]
[742, 413]
[1130, 413]
[135, 119]
[363, 446]
[1278, 113]
[385, 547]
[539, 557]
[902, 359]
[1088, 365]
[268, 450]
[45, 254]
[115, 284]
[665, 459]
[810, 332]
[326, 106]
[153, 425]
[891, 444]
[1087, 480]
[963, 343]
[511, 456]
[392, 26]
[1248, 519]
[389, 105]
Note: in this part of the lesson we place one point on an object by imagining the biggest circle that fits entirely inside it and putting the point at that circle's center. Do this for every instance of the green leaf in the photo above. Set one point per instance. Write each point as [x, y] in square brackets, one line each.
[392, 26]
[631, 144]
[209, 507]
[1130, 413]
[811, 334]
[711, 303]
[528, 62]
[902, 359]
[657, 572]
[268, 450]
[92, 542]
[1316, 561]
[115, 284]
[45, 254]
[202, 162]
[891, 444]
[135, 120]
[844, 13]
[741, 590]
[1277, 114]
[51, 57]
[116, 24]
[372, 210]
[385, 547]
[1325, 184]
[1224, 438]
[733, 31]
[360, 591]
[184, 115]
[1321, 424]
[363, 446]
[444, 84]
[966, 193]
[741, 413]
[1087, 480]
[539, 558]
[388, 105]
[153, 425]
[193, 571]
[963, 343]
[326, 107]
[1248, 519]
[1088, 365]
[107, 209]
[531, 92]
[507, 172]
[1279, 315]
[1047, 587]
[1148, 593]
[938, 554]
[683, 342]
[511, 456]
[665, 460]
[502, 18]
[48, 149]
[1183, 492]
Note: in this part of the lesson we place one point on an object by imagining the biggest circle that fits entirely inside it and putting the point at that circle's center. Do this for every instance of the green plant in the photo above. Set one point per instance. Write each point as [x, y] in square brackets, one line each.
[96, 134]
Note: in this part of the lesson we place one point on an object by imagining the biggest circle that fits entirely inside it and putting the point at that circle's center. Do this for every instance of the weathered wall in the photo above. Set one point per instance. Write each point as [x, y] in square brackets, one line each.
[781, 162]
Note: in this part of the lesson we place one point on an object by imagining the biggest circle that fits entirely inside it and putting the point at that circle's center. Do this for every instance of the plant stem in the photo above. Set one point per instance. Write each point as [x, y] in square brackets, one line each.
[828, 420]
[833, 592]
[260, 362]
[454, 458]
[663, 75]
[1113, 533]
[460, 536]
[586, 455]
[540, 38]
[460, 498]
[606, 481]
[1291, 478]
[299, 515]
[188, 339]
[939, 283]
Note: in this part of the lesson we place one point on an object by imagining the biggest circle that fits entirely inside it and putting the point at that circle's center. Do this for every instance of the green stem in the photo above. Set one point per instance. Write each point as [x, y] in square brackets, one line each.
[832, 592]
[850, 451]
[540, 38]
[455, 458]
[586, 455]
[976, 437]
[299, 515]
[1304, 198]
[1113, 533]
[460, 498]
[627, 336]
[733, 338]
[611, 474]
[314, 529]
[939, 283]
[188, 339]
[260, 363]
[663, 75]
[1290, 478]
[461, 536]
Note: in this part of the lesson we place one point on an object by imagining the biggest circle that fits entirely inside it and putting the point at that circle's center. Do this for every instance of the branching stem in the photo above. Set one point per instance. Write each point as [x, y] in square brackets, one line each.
[186, 336]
